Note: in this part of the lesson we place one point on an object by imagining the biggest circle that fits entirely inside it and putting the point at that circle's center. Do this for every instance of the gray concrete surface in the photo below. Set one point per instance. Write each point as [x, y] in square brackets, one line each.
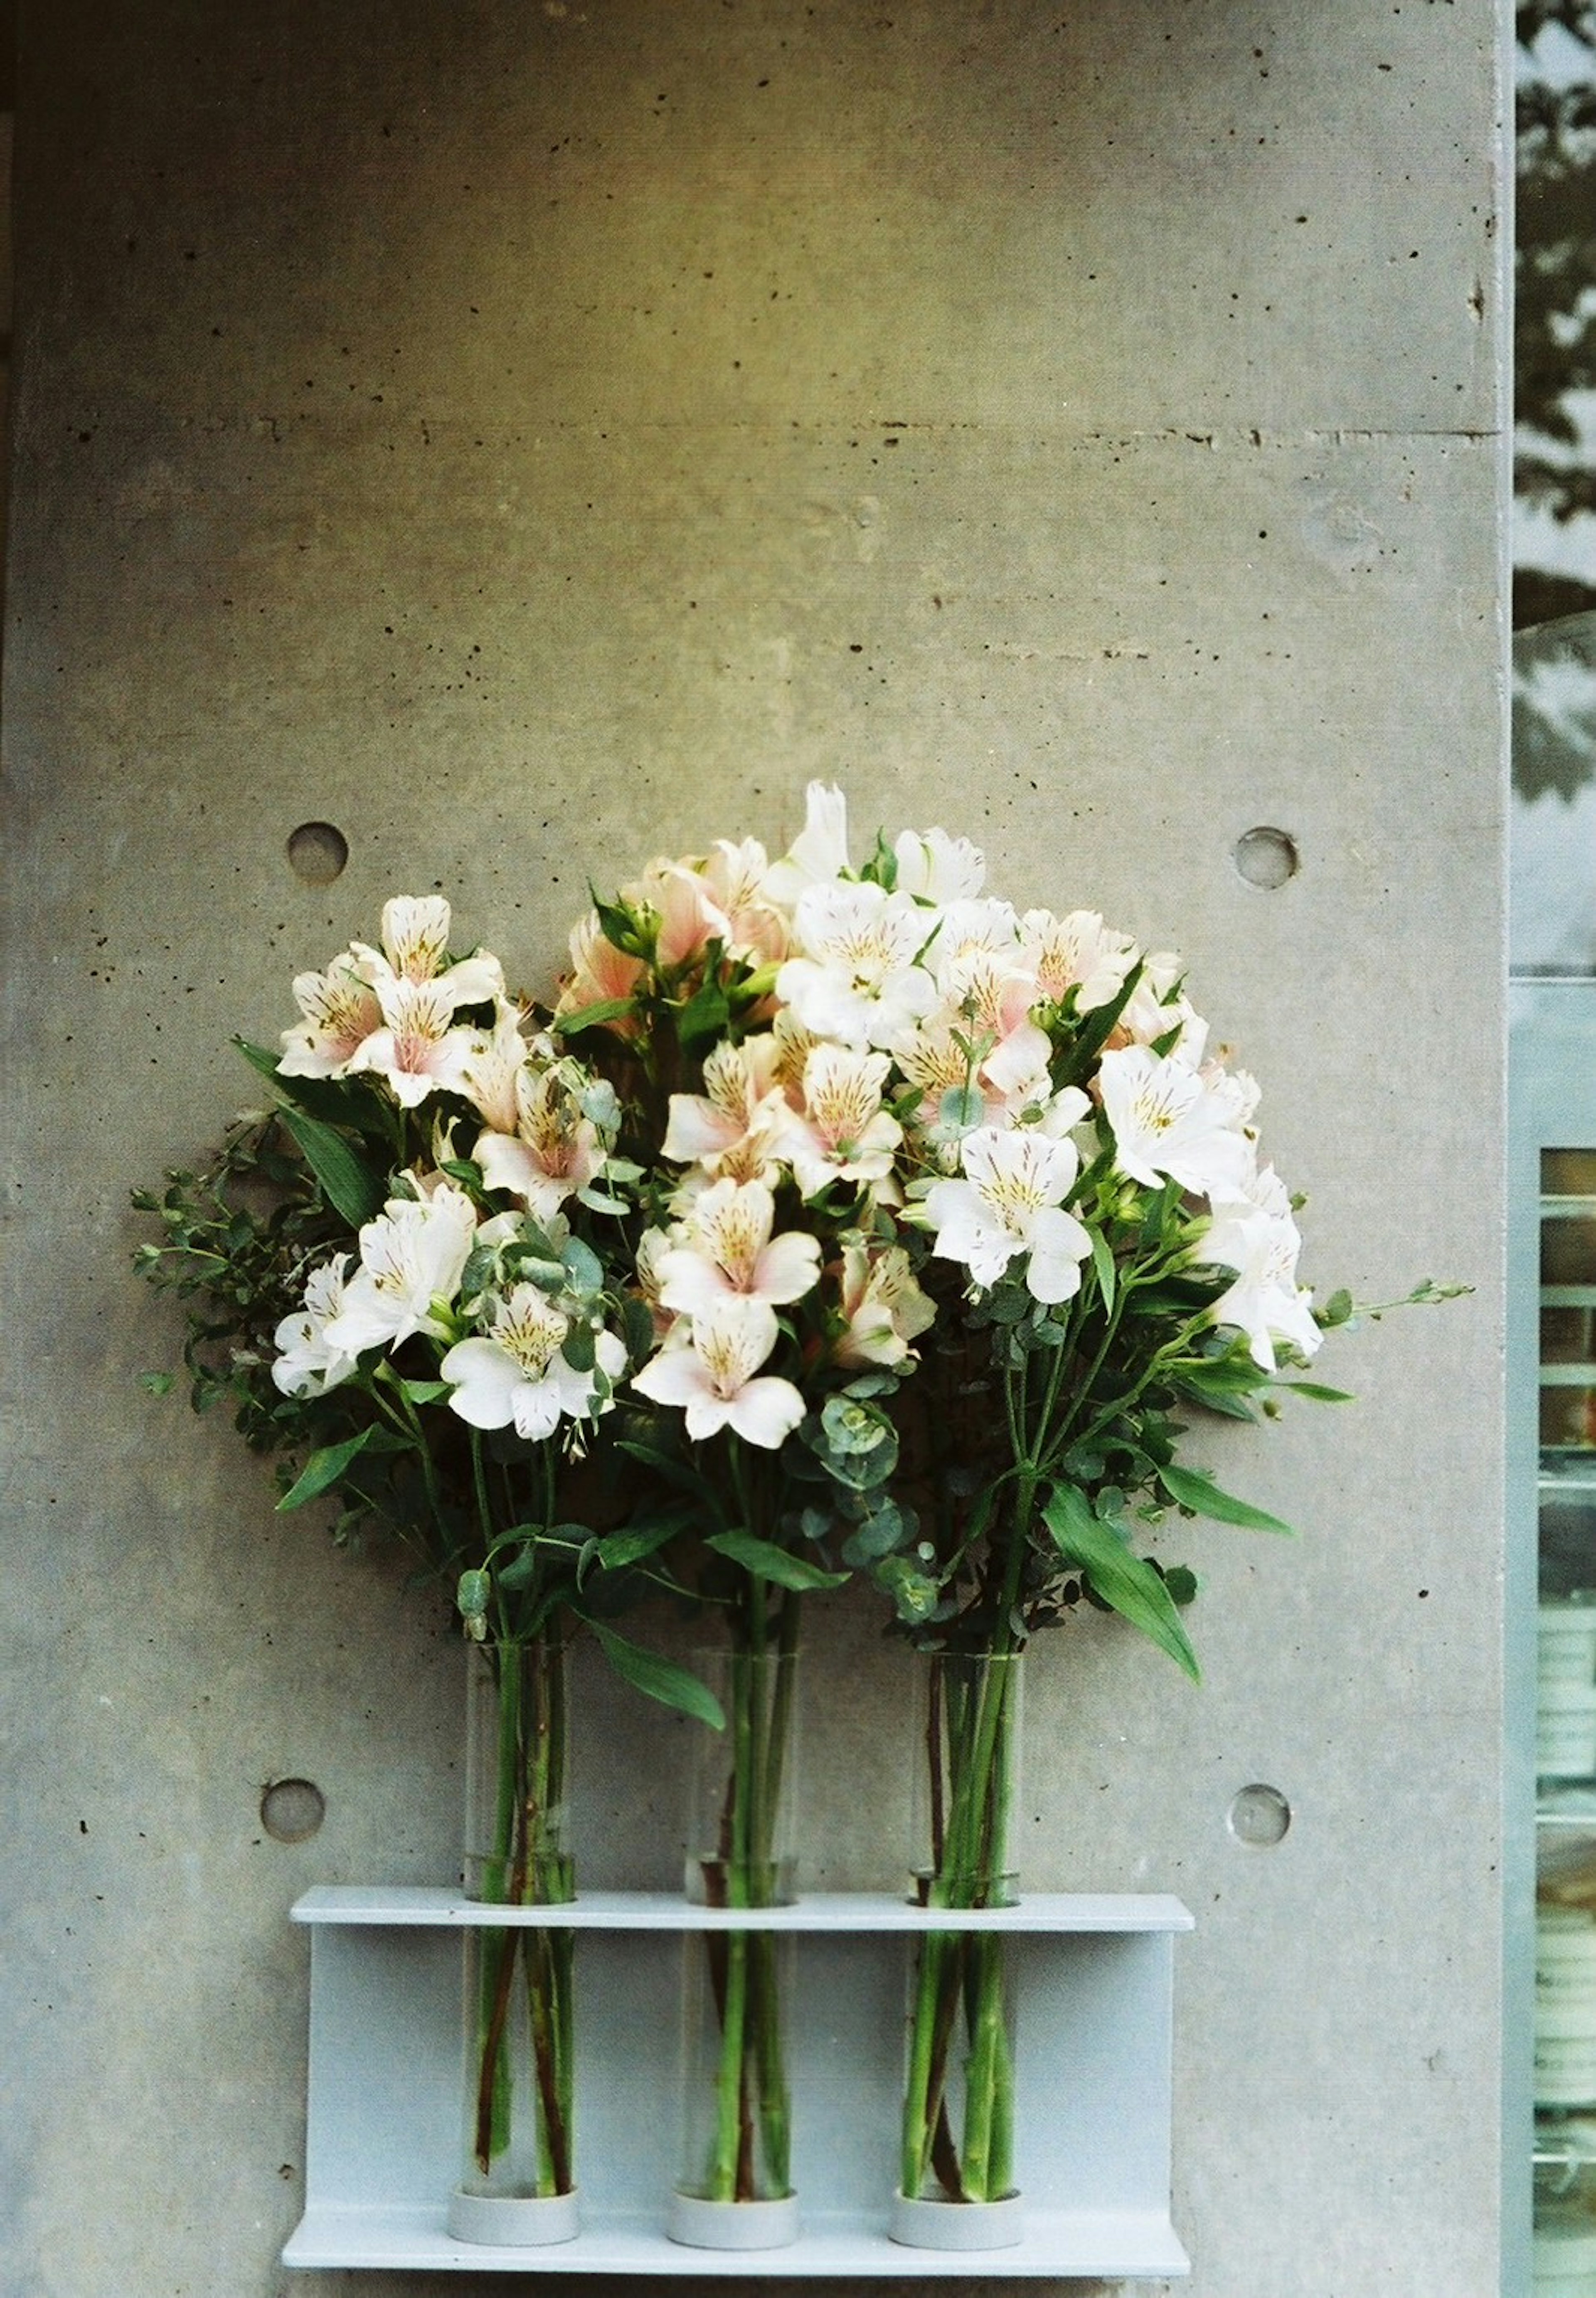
[528, 436]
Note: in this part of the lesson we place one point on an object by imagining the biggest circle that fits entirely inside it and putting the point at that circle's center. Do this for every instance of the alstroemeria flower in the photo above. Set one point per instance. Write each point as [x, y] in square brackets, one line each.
[1011, 1201]
[1170, 1123]
[600, 974]
[727, 1129]
[494, 1063]
[412, 1256]
[857, 982]
[882, 1305]
[306, 1364]
[818, 854]
[418, 1050]
[340, 1011]
[415, 938]
[842, 1133]
[1078, 951]
[553, 1151]
[709, 1369]
[515, 1374]
[735, 875]
[934, 867]
[1256, 1234]
[725, 1247]
[1157, 1007]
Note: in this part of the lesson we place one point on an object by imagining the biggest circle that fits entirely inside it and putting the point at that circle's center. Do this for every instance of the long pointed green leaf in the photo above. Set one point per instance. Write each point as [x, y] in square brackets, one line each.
[349, 1186]
[769, 1562]
[1191, 1489]
[323, 1469]
[1126, 1582]
[665, 1680]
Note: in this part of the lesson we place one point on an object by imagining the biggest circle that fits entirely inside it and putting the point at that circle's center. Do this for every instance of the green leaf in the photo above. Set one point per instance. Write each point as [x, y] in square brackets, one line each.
[704, 1016]
[426, 1391]
[323, 1469]
[1319, 1395]
[349, 1186]
[674, 1472]
[766, 1561]
[1127, 1584]
[158, 1384]
[1103, 1261]
[665, 1680]
[618, 1550]
[1190, 1488]
[591, 1017]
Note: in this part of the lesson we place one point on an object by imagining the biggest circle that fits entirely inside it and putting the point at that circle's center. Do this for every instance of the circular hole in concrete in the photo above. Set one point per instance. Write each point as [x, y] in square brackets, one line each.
[1259, 1816]
[1267, 857]
[317, 852]
[291, 1810]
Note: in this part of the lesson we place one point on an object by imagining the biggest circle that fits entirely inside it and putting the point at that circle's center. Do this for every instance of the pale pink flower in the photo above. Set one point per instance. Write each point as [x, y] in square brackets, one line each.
[418, 1050]
[709, 1369]
[727, 1128]
[934, 867]
[843, 1132]
[340, 1011]
[882, 1306]
[415, 938]
[600, 973]
[726, 1247]
[554, 1152]
[1078, 951]
[494, 1064]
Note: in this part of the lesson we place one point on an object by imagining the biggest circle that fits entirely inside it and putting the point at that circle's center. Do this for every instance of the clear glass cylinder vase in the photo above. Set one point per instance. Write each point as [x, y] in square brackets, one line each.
[958, 2120]
[518, 2181]
[735, 2188]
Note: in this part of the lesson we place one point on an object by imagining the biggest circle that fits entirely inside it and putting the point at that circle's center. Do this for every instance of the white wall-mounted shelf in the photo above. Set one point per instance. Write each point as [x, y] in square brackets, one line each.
[1093, 1980]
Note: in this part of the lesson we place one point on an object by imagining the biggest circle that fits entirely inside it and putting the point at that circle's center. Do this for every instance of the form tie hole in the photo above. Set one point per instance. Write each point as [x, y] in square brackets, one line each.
[1267, 857]
[1259, 1816]
[317, 852]
[291, 1810]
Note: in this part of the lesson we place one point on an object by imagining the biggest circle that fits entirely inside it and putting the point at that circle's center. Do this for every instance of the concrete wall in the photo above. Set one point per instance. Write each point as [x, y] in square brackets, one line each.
[528, 436]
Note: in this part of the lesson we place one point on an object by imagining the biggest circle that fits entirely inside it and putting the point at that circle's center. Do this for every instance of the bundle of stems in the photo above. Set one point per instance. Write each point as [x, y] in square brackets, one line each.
[958, 2135]
[526, 1865]
[749, 2154]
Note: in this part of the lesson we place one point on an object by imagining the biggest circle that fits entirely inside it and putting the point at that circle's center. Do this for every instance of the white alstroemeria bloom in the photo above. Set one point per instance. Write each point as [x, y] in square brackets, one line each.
[1256, 1234]
[843, 1132]
[516, 1375]
[340, 1011]
[415, 938]
[1169, 1123]
[492, 1068]
[1158, 1005]
[728, 1128]
[857, 982]
[725, 1247]
[1078, 951]
[411, 1256]
[882, 1305]
[1011, 1201]
[306, 1364]
[553, 1151]
[418, 1049]
[709, 1369]
[934, 867]
[818, 854]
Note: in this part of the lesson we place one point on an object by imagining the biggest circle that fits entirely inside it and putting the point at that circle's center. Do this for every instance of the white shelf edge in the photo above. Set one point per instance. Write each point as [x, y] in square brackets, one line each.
[1109, 1912]
[1111, 2246]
